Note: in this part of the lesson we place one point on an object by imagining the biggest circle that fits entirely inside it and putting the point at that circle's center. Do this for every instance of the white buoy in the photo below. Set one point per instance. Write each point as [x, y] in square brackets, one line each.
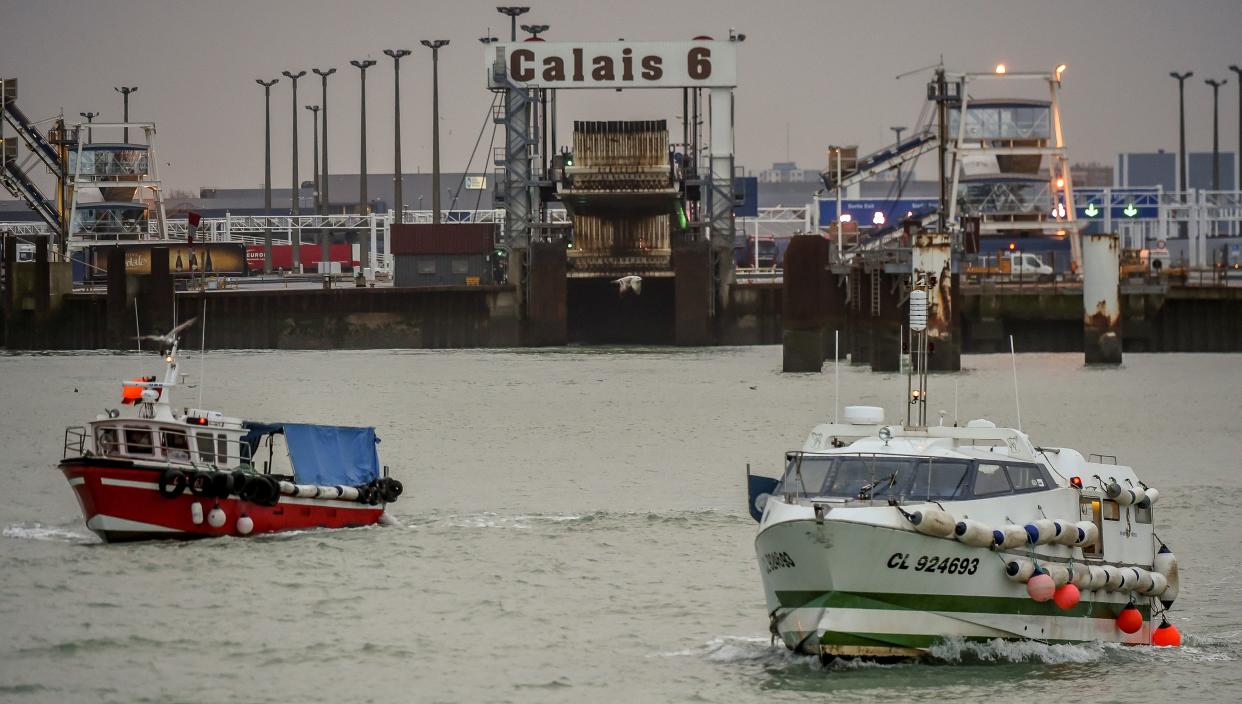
[1114, 579]
[1158, 585]
[1009, 537]
[196, 513]
[1098, 577]
[1059, 573]
[973, 533]
[1019, 569]
[1165, 564]
[1041, 532]
[216, 517]
[1067, 533]
[1089, 533]
[245, 525]
[933, 522]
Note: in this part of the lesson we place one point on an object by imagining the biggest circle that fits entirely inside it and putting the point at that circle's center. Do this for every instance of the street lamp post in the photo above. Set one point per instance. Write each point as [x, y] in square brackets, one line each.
[125, 91]
[1181, 130]
[317, 190]
[397, 55]
[364, 250]
[267, 170]
[1237, 156]
[435, 45]
[323, 181]
[1215, 131]
[90, 117]
[295, 231]
[512, 11]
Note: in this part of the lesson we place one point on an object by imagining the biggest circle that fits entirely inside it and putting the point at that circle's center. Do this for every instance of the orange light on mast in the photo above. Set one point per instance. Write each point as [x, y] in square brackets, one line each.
[1000, 69]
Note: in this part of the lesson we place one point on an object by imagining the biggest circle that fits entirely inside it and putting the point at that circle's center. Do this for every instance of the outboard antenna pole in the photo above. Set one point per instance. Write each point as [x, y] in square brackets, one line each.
[1016, 402]
[836, 376]
[202, 354]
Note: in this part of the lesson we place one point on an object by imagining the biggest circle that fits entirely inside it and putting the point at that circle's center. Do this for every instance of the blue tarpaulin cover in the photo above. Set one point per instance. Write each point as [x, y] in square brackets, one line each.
[326, 455]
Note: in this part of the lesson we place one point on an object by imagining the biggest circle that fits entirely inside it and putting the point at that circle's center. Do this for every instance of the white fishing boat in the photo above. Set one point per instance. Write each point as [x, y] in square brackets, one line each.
[883, 539]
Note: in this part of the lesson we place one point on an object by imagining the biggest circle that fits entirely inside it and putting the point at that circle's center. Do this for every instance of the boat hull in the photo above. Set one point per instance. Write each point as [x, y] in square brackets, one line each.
[122, 503]
[838, 588]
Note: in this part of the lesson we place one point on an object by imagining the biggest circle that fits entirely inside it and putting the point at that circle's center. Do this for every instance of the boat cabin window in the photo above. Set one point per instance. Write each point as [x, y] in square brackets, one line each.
[108, 443]
[846, 476]
[1111, 511]
[206, 447]
[1089, 510]
[176, 445]
[138, 441]
[1142, 515]
[990, 479]
[943, 479]
[1026, 477]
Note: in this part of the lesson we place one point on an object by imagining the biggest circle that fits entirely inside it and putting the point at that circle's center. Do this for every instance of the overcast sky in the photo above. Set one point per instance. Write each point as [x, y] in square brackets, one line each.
[824, 68]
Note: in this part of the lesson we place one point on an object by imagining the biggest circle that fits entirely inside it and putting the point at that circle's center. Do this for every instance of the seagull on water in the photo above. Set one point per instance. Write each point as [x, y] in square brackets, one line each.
[629, 283]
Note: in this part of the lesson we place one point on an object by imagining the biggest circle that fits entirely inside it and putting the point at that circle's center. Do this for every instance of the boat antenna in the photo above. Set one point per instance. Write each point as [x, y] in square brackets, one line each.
[137, 326]
[954, 402]
[202, 354]
[1016, 402]
[836, 376]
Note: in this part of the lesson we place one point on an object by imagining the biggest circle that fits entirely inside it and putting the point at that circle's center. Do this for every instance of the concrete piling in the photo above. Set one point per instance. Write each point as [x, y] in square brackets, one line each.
[547, 306]
[1101, 300]
[804, 316]
[692, 271]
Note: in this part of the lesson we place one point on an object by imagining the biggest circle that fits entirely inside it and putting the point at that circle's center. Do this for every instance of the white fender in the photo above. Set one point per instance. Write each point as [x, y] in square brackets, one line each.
[305, 490]
[1158, 585]
[327, 492]
[1114, 580]
[245, 525]
[1019, 569]
[1067, 533]
[1089, 533]
[288, 488]
[216, 517]
[973, 533]
[933, 522]
[1152, 496]
[1129, 496]
[196, 513]
[1011, 536]
[1059, 573]
[1142, 580]
[1165, 563]
[1098, 577]
[1081, 577]
[1041, 532]
[348, 493]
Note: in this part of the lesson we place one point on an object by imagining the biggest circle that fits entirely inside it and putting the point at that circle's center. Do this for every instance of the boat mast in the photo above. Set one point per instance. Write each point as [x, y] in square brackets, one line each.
[917, 369]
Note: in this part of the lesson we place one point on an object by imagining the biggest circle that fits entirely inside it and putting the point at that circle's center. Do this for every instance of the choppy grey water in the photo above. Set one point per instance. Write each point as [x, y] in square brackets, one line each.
[574, 529]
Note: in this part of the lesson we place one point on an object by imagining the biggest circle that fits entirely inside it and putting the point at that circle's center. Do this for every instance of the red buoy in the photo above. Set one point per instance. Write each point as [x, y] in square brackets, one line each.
[1129, 620]
[1166, 635]
[1066, 596]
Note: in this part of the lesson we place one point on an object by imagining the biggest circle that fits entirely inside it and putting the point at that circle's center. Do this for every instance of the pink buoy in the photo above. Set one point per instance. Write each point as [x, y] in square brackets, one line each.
[1066, 596]
[1041, 587]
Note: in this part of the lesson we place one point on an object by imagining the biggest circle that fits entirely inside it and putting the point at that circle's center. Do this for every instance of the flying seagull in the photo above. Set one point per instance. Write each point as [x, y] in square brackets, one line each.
[629, 283]
[168, 339]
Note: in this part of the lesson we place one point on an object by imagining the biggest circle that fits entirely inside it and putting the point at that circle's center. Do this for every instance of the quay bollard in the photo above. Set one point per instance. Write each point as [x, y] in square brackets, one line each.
[1101, 299]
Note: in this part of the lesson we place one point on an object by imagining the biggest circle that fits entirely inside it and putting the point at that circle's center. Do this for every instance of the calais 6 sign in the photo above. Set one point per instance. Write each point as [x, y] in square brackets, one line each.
[708, 64]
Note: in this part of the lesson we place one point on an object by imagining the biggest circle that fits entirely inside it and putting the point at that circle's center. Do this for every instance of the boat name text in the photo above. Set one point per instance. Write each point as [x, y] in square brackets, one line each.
[934, 563]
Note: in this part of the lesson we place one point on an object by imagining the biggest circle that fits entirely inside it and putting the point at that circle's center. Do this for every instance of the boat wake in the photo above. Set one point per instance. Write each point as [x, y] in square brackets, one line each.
[590, 519]
[32, 530]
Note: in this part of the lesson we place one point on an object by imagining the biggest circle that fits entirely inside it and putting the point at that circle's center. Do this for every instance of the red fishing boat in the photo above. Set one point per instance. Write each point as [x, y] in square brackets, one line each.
[151, 471]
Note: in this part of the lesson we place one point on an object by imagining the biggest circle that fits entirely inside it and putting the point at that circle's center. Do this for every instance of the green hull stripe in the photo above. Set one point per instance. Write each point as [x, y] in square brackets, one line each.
[1017, 606]
[907, 640]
